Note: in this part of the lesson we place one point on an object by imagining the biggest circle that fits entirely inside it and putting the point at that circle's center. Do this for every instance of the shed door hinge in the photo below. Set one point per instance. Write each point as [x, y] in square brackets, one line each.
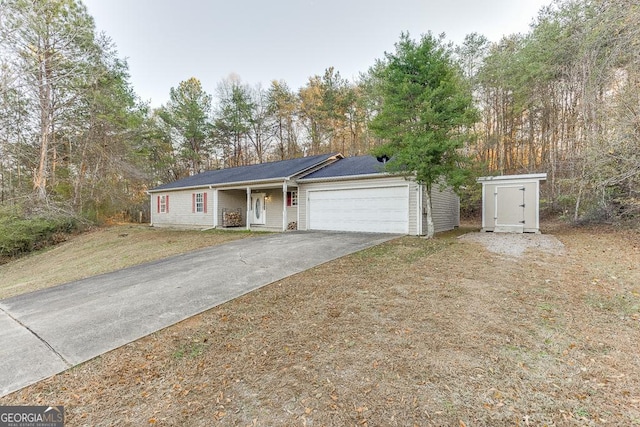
[522, 222]
[522, 205]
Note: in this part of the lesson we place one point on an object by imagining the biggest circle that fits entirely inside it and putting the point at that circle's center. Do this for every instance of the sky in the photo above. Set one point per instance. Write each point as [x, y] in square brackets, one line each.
[169, 41]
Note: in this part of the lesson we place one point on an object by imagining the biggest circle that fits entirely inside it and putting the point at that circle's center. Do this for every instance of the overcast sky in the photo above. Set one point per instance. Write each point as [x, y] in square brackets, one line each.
[168, 41]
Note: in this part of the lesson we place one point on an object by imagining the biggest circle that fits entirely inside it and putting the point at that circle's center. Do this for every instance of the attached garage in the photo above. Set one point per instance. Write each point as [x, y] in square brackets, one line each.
[375, 209]
[356, 194]
[510, 203]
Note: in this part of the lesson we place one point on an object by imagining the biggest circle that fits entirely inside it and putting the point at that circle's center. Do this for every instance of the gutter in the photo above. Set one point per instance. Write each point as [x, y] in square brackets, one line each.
[212, 186]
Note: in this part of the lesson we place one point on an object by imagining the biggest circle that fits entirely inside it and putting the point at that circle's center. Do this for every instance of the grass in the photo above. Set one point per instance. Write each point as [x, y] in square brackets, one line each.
[412, 332]
[100, 251]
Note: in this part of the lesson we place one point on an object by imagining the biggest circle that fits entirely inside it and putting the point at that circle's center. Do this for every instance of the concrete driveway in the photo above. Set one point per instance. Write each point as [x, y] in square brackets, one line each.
[48, 331]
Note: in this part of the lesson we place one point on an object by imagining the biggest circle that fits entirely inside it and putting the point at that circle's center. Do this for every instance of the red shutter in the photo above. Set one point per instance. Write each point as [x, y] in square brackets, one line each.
[158, 204]
[288, 198]
[166, 209]
[193, 202]
[204, 200]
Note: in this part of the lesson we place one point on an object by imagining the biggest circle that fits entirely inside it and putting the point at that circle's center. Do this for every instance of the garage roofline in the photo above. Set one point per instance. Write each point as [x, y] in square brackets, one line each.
[344, 177]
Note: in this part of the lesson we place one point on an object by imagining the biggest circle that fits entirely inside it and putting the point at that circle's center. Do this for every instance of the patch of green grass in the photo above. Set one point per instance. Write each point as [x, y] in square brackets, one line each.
[626, 303]
[545, 306]
[425, 248]
[582, 413]
[378, 251]
[192, 349]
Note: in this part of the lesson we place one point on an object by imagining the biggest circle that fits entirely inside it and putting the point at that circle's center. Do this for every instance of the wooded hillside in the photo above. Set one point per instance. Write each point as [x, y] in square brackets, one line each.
[562, 99]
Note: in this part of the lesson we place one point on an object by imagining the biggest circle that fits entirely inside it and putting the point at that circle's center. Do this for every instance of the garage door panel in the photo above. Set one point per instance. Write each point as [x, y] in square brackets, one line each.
[382, 210]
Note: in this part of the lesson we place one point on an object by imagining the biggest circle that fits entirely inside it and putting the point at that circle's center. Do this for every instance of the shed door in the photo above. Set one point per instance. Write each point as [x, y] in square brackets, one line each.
[509, 208]
[380, 210]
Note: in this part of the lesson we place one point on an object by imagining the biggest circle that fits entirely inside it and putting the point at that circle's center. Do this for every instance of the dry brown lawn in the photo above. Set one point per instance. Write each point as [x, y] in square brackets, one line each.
[102, 250]
[411, 332]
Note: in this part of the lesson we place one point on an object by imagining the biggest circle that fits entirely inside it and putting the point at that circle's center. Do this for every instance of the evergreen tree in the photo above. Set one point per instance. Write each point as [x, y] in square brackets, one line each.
[188, 116]
[425, 112]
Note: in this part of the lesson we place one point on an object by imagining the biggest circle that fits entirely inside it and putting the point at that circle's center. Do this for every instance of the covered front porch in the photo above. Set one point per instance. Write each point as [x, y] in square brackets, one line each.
[259, 207]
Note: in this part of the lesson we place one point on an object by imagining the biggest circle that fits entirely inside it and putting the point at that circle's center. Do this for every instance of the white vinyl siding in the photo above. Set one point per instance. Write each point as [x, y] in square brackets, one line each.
[180, 212]
[274, 204]
[232, 200]
[445, 206]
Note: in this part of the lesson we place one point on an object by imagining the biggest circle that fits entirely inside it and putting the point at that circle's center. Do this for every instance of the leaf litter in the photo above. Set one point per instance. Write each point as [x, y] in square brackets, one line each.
[418, 332]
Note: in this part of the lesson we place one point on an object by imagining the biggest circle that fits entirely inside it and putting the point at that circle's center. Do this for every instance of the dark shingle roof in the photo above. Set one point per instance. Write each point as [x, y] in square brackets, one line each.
[349, 166]
[262, 171]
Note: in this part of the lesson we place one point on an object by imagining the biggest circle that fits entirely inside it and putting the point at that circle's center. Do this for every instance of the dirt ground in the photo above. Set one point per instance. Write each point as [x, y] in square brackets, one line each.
[480, 330]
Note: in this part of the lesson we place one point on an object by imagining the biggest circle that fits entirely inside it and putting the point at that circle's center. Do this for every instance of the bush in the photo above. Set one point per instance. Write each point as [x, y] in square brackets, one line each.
[21, 233]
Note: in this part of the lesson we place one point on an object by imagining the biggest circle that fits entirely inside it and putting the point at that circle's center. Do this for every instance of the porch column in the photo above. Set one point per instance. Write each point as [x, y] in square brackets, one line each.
[248, 208]
[215, 207]
[284, 206]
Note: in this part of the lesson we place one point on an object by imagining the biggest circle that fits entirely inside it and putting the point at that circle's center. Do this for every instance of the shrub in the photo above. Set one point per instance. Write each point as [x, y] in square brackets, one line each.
[21, 233]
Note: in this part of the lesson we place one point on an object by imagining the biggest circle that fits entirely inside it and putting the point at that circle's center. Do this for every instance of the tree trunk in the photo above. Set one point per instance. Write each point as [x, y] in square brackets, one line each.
[427, 203]
[40, 175]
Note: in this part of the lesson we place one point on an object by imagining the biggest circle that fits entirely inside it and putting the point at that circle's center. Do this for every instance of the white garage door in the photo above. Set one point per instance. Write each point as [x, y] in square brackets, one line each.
[381, 210]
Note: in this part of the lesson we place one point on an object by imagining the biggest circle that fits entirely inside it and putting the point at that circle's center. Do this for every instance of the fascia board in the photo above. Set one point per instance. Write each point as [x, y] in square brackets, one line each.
[513, 178]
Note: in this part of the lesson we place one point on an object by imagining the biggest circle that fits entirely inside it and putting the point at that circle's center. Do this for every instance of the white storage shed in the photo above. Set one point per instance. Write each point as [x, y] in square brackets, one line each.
[511, 203]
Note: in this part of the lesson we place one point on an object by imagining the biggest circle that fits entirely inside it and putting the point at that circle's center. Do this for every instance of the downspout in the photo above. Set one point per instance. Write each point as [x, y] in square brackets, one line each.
[420, 231]
[150, 208]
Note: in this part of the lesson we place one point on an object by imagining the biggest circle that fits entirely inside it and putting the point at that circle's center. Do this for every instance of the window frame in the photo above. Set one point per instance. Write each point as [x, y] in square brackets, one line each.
[292, 198]
[162, 203]
[199, 203]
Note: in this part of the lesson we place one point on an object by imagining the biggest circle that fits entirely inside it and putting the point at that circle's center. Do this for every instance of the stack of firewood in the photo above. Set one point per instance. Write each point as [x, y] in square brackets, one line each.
[231, 218]
[292, 226]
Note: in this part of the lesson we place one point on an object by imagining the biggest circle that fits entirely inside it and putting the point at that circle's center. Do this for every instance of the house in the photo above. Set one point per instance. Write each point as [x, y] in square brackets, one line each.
[511, 203]
[323, 192]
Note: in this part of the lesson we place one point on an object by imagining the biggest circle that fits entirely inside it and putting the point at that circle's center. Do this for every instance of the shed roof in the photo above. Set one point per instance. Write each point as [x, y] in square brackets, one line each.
[522, 177]
[261, 172]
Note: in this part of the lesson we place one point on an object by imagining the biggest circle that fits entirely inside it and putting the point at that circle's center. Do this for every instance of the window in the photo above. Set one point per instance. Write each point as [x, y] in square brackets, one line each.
[292, 198]
[199, 202]
[163, 204]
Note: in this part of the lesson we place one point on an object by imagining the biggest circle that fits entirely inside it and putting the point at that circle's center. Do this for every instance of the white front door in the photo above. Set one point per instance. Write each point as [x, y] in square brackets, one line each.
[258, 209]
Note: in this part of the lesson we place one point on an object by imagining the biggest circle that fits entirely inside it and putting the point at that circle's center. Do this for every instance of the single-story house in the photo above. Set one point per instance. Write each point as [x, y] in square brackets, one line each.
[323, 192]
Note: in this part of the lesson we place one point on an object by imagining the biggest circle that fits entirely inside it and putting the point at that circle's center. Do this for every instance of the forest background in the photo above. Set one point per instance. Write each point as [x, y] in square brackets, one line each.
[76, 140]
